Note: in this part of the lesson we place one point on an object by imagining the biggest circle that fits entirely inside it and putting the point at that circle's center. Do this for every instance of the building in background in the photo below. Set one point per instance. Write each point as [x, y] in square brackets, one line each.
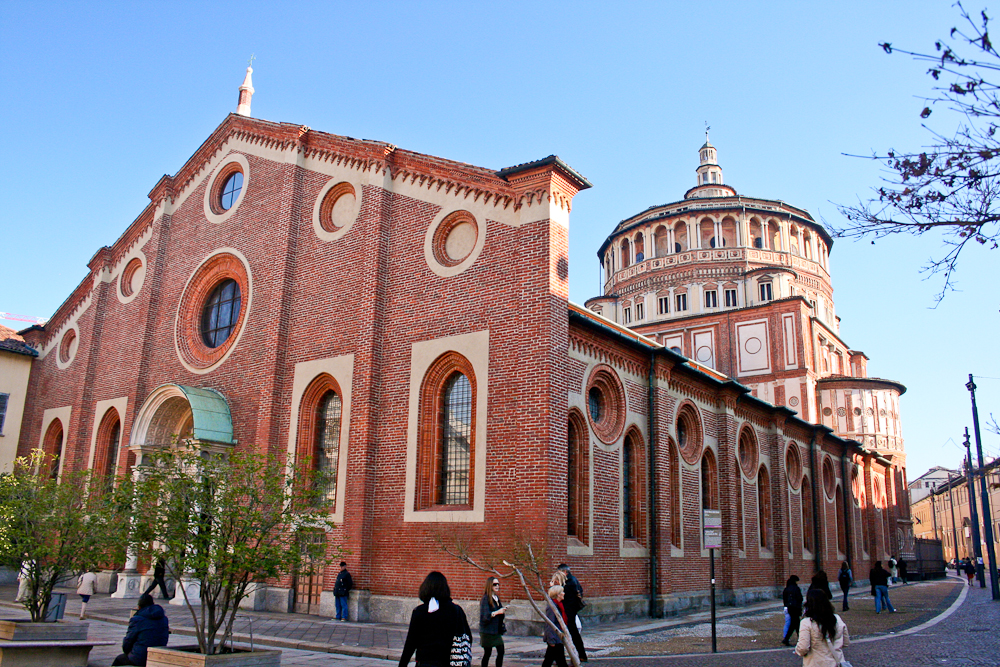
[922, 486]
[943, 513]
[16, 358]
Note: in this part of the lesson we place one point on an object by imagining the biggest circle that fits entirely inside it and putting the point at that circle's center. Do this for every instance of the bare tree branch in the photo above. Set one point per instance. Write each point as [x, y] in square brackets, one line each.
[952, 185]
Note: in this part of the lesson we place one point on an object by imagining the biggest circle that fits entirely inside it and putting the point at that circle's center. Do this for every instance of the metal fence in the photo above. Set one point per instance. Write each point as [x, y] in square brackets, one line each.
[929, 560]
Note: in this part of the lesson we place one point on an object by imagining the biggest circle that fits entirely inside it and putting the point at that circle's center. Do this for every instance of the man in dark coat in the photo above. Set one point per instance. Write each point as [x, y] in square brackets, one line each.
[879, 578]
[791, 597]
[342, 591]
[573, 604]
[148, 627]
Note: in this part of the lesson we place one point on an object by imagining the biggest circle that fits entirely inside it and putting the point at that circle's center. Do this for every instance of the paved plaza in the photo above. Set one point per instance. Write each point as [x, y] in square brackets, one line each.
[938, 623]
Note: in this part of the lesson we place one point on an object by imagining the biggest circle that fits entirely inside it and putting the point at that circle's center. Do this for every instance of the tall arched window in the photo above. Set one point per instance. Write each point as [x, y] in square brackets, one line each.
[739, 508]
[674, 486]
[53, 446]
[577, 479]
[807, 516]
[446, 439]
[319, 434]
[626, 254]
[634, 488]
[709, 482]
[764, 508]
[841, 523]
[109, 435]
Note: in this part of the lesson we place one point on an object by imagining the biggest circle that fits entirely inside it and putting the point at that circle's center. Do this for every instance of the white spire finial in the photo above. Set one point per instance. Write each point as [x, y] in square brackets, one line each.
[246, 91]
[707, 128]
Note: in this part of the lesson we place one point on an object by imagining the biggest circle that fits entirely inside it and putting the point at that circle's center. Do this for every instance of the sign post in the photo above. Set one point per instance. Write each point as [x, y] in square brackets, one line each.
[712, 537]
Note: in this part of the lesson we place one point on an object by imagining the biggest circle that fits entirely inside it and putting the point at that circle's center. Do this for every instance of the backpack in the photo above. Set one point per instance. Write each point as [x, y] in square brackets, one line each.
[844, 578]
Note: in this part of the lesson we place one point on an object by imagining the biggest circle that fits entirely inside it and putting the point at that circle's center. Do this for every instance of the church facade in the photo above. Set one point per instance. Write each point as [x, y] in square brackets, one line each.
[337, 302]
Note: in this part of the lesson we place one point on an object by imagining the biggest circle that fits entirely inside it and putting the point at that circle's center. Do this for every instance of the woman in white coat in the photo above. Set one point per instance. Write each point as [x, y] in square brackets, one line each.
[822, 633]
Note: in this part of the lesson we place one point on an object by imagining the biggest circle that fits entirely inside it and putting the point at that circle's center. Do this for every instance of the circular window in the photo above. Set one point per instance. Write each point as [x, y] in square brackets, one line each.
[67, 346]
[132, 277]
[231, 189]
[455, 238]
[606, 404]
[226, 188]
[793, 466]
[857, 412]
[747, 450]
[689, 434]
[212, 311]
[221, 313]
[338, 207]
[827, 412]
[829, 477]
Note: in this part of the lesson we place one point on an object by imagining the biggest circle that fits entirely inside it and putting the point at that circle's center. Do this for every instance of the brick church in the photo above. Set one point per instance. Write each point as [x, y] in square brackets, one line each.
[403, 322]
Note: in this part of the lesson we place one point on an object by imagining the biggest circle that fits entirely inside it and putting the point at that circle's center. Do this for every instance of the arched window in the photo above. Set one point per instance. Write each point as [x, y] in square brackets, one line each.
[626, 254]
[841, 522]
[674, 487]
[319, 434]
[53, 446]
[739, 508]
[109, 435]
[709, 482]
[764, 508]
[578, 483]
[634, 488]
[807, 516]
[447, 427]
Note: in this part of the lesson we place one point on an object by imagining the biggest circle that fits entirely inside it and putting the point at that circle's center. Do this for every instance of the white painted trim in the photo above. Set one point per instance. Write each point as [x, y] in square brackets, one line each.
[475, 347]
[340, 369]
[135, 253]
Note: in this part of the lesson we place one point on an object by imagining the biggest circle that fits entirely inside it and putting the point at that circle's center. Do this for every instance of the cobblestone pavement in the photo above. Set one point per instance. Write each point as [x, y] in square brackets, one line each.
[931, 630]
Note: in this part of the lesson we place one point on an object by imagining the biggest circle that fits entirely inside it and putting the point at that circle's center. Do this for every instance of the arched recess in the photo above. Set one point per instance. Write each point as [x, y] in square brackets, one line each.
[173, 413]
[808, 533]
[764, 520]
[578, 478]
[674, 490]
[52, 445]
[109, 434]
[635, 487]
[841, 522]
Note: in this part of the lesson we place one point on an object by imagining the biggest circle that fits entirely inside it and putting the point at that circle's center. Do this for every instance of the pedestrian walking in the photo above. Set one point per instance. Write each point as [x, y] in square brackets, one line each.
[901, 565]
[574, 604]
[147, 628]
[845, 578]
[822, 633]
[342, 591]
[791, 597]
[554, 649]
[85, 588]
[893, 569]
[24, 579]
[821, 582]
[879, 577]
[970, 570]
[159, 573]
[435, 625]
[491, 622]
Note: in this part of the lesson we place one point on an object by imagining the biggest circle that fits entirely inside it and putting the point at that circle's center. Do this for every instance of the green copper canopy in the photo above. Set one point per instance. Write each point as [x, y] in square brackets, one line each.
[212, 420]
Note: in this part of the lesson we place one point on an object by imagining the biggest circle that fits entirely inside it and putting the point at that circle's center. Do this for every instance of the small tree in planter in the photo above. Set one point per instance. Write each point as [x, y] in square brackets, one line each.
[226, 523]
[53, 528]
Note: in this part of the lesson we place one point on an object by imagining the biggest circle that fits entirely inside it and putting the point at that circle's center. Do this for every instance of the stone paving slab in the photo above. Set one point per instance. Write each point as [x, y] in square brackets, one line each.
[310, 640]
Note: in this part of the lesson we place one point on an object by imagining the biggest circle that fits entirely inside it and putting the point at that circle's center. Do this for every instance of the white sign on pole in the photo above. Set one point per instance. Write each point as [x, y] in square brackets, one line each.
[712, 529]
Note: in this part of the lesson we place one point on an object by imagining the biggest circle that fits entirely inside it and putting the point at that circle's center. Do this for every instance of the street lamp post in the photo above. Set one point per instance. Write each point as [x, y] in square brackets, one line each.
[984, 494]
[977, 544]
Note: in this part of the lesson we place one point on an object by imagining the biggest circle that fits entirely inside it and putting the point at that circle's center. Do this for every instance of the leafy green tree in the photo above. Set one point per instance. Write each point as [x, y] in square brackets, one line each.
[226, 522]
[952, 185]
[51, 529]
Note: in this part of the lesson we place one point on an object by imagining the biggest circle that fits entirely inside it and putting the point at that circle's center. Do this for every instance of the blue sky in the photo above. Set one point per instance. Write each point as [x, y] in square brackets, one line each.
[100, 99]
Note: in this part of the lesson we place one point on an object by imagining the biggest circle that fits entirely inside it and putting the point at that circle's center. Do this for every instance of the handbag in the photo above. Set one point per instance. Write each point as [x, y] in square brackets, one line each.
[842, 663]
[461, 651]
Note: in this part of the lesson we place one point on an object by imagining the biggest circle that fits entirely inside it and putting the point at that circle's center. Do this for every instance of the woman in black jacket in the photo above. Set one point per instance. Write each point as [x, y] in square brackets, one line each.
[434, 624]
[822, 582]
[491, 622]
[792, 599]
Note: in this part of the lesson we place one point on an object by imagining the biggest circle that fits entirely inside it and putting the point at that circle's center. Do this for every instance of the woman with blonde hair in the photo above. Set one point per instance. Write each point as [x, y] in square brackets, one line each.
[554, 650]
[491, 622]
